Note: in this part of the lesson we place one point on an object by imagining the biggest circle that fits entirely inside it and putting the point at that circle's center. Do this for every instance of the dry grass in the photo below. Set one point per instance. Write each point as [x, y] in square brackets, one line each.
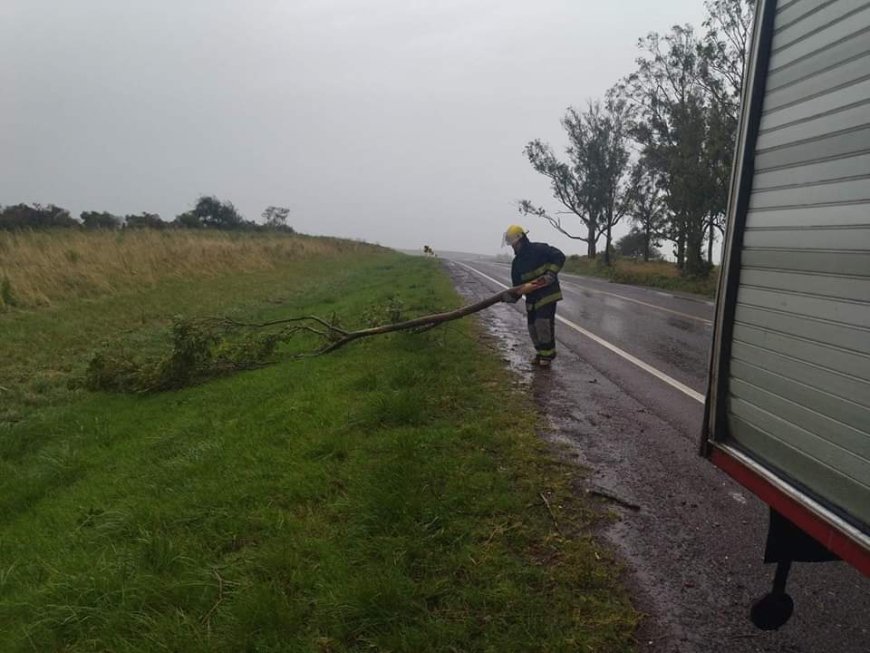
[42, 268]
[658, 274]
[664, 269]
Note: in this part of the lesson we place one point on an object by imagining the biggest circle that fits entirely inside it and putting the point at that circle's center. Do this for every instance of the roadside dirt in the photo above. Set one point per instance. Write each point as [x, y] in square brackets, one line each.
[691, 539]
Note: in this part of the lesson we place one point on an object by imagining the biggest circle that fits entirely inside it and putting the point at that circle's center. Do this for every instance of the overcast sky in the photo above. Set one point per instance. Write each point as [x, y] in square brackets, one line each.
[396, 121]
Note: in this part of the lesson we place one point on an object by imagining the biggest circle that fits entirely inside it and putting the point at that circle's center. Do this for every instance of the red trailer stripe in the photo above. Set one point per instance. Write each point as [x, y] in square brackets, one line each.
[836, 541]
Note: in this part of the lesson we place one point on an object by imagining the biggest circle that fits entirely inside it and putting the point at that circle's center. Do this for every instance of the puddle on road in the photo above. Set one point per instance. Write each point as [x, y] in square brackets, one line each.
[690, 326]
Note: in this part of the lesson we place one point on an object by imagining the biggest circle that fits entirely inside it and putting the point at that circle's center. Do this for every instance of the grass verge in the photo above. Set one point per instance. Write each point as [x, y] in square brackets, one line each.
[387, 497]
[42, 268]
[657, 274]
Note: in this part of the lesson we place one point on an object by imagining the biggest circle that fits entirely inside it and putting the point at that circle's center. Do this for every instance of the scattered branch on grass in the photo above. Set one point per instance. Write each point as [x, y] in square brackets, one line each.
[206, 619]
[205, 348]
[604, 494]
[552, 514]
[260, 325]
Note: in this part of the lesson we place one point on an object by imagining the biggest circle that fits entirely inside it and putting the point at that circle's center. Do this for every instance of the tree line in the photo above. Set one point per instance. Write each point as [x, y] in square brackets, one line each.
[208, 213]
[658, 148]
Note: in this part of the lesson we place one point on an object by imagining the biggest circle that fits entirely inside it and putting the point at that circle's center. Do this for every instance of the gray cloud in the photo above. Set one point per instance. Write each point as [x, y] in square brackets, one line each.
[397, 122]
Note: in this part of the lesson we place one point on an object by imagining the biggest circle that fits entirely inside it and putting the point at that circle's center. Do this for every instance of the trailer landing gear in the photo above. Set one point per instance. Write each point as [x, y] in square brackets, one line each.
[772, 610]
[786, 543]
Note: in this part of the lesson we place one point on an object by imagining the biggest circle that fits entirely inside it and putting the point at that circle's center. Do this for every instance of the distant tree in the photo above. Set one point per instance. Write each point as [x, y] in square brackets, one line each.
[592, 183]
[35, 216]
[100, 220]
[685, 97]
[567, 181]
[145, 221]
[723, 53]
[187, 220]
[636, 245]
[646, 207]
[215, 214]
[275, 217]
[606, 161]
[671, 124]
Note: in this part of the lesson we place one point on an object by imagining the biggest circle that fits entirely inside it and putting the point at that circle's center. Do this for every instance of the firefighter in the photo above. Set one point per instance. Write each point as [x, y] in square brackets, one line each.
[538, 265]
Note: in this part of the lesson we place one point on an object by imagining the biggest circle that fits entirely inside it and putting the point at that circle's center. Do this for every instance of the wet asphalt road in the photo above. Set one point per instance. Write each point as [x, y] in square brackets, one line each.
[694, 548]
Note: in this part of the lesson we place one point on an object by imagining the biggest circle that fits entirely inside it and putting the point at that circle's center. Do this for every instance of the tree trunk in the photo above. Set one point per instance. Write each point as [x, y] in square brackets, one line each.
[646, 239]
[681, 251]
[694, 257]
[607, 247]
[591, 238]
[712, 235]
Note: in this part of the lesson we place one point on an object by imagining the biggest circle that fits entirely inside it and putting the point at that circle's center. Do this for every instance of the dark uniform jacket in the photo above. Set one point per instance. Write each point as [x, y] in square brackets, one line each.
[532, 261]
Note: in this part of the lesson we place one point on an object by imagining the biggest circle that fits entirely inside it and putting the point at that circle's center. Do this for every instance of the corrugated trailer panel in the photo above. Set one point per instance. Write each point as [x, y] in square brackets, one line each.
[820, 125]
[801, 152]
[798, 390]
[839, 488]
[846, 262]
[832, 239]
[809, 329]
[815, 43]
[825, 400]
[819, 106]
[822, 16]
[810, 194]
[830, 170]
[792, 11]
[855, 288]
[821, 379]
[806, 78]
[802, 349]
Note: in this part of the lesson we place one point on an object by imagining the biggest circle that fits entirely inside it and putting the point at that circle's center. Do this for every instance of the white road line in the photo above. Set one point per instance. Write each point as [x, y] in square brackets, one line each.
[637, 301]
[646, 367]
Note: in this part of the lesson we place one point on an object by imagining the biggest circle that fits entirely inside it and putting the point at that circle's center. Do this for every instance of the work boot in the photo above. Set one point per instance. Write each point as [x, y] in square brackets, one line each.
[535, 361]
[544, 362]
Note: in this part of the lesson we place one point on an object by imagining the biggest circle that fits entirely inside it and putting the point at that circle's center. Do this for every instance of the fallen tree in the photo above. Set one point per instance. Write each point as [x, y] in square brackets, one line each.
[204, 348]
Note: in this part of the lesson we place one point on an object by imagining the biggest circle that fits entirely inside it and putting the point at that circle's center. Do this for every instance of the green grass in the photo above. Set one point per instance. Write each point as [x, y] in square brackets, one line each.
[657, 274]
[386, 497]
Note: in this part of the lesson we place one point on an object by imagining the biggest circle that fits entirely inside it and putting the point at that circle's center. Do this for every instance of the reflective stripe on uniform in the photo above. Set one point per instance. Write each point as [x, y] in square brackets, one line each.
[538, 271]
[547, 352]
[549, 299]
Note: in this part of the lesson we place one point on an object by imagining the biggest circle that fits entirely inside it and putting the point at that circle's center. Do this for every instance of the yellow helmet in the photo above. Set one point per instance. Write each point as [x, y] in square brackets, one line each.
[513, 234]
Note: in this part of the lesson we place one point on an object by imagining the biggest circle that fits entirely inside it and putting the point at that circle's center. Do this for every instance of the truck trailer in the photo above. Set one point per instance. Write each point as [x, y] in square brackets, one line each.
[787, 411]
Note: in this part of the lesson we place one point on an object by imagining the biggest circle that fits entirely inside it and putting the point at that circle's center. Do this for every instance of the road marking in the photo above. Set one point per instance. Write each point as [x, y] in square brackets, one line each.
[638, 301]
[634, 360]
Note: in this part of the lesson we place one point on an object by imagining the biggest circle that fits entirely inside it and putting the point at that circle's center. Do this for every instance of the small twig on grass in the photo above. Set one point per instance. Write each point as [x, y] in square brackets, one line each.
[612, 497]
[552, 514]
[207, 618]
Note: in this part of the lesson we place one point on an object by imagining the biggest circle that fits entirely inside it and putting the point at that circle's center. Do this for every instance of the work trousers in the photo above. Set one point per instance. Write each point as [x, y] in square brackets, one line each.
[542, 329]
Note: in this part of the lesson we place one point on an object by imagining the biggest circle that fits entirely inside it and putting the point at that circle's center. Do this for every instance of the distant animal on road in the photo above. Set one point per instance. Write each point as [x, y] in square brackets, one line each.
[428, 251]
